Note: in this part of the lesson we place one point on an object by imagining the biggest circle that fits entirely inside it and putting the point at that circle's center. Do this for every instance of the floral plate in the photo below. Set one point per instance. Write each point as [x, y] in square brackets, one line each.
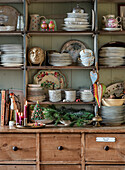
[50, 79]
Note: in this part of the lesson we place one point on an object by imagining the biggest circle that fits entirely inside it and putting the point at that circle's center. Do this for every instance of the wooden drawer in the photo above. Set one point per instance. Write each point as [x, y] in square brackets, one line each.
[60, 167]
[105, 151]
[25, 147]
[105, 167]
[17, 167]
[70, 147]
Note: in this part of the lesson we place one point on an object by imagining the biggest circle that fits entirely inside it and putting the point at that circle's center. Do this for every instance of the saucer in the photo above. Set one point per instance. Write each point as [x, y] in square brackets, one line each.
[112, 29]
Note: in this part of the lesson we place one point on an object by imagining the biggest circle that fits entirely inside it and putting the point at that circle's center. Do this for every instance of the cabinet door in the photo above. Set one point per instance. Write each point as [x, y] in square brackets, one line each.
[61, 147]
[60, 167]
[105, 150]
[17, 147]
[17, 167]
[105, 167]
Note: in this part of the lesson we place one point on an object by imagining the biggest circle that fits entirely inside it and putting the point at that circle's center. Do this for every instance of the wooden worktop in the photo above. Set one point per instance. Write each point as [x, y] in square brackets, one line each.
[49, 129]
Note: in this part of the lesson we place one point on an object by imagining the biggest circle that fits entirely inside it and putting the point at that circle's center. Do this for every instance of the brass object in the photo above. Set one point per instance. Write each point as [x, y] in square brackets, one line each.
[36, 56]
[97, 119]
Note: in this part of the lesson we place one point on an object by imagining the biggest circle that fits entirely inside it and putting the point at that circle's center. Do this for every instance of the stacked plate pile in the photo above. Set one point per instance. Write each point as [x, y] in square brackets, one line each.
[76, 22]
[60, 59]
[12, 55]
[113, 115]
[112, 56]
[86, 96]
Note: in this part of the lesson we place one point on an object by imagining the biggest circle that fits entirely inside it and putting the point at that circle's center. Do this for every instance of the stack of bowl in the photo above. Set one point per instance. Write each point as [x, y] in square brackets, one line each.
[86, 57]
[86, 96]
[35, 93]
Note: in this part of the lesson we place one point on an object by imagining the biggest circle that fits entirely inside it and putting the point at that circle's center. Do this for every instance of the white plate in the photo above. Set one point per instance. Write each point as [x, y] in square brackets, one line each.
[60, 64]
[93, 19]
[77, 29]
[11, 65]
[76, 23]
[76, 26]
[113, 55]
[112, 29]
[113, 48]
[75, 20]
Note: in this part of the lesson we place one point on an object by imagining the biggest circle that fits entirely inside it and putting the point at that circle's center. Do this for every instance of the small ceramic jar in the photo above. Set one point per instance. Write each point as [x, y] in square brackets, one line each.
[70, 95]
[54, 95]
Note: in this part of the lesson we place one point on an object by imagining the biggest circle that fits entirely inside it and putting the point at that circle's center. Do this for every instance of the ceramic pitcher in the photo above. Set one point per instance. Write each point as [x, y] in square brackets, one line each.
[34, 22]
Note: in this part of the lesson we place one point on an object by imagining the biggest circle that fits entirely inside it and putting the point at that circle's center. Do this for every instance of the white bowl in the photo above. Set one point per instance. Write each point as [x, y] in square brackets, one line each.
[112, 102]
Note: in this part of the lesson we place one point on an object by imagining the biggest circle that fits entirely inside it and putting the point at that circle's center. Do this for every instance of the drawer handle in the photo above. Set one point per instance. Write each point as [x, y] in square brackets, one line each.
[60, 148]
[106, 148]
[15, 148]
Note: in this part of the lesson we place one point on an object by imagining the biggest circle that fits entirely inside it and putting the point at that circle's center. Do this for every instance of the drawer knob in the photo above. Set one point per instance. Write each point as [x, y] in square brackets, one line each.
[106, 148]
[60, 148]
[15, 148]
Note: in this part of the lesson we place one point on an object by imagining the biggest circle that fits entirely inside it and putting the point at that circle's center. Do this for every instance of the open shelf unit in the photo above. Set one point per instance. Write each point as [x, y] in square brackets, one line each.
[30, 37]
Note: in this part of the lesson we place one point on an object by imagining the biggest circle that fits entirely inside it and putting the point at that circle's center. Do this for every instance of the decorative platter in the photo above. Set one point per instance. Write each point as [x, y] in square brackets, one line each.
[50, 79]
[11, 14]
[73, 47]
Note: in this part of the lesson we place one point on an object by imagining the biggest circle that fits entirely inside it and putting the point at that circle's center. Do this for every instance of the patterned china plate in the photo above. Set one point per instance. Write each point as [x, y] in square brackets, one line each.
[116, 88]
[50, 79]
[73, 47]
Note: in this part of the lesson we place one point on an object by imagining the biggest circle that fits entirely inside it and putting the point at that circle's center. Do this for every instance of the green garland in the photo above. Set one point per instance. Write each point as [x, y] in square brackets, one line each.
[77, 117]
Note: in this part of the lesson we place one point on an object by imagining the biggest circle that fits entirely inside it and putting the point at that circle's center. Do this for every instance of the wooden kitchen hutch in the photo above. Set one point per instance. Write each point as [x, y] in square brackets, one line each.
[61, 148]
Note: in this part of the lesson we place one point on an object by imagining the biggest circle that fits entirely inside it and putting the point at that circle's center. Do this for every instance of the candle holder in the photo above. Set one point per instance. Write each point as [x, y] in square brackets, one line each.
[97, 119]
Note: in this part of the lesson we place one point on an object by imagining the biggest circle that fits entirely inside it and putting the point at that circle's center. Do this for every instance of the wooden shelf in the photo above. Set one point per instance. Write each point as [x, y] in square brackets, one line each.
[32, 33]
[58, 67]
[35, 1]
[112, 32]
[64, 103]
[11, 33]
[106, 67]
[11, 1]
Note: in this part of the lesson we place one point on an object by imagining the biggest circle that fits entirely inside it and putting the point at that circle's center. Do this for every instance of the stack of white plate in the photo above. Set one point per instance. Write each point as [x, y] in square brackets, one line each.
[113, 115]
[86, 96]
[60, 59]
[112, 56]
[11, 55]
[76, 22]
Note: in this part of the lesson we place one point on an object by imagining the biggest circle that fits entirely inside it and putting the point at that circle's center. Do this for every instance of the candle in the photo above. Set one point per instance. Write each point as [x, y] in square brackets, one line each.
[17, 117]
[25, 114]
[20, 118]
